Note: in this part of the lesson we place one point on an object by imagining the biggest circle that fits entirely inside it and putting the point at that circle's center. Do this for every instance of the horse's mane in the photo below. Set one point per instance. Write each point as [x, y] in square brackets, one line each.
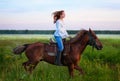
[78, 36]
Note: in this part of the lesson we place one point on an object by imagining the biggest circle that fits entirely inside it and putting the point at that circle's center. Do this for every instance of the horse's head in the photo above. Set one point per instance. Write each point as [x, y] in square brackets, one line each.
[94, 41]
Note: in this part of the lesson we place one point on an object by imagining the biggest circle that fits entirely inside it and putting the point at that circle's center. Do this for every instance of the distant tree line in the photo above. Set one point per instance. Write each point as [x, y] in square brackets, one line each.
[52, 31]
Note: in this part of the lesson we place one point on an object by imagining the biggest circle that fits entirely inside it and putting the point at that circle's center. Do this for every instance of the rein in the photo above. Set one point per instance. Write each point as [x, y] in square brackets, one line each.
[91, 41]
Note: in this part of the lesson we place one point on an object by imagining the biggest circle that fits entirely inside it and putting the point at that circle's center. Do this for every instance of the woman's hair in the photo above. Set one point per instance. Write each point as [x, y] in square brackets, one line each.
[56, 15]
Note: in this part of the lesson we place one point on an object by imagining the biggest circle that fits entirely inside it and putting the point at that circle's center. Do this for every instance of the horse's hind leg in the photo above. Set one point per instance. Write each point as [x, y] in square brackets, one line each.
[29, 66]
[79, 69]
[26, 65]
[32, 66]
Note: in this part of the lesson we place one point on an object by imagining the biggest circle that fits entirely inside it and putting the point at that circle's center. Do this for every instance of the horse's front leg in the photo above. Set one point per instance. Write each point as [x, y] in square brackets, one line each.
[71, 70]
[79, 69]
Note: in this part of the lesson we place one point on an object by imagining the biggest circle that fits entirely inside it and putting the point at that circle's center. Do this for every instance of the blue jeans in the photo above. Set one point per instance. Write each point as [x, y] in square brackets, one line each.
[59, 43]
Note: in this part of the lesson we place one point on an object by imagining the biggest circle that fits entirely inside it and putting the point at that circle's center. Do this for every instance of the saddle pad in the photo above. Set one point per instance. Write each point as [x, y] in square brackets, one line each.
[54, 54]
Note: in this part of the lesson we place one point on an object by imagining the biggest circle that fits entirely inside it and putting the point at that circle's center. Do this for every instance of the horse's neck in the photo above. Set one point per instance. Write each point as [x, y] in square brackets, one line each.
[83, 43]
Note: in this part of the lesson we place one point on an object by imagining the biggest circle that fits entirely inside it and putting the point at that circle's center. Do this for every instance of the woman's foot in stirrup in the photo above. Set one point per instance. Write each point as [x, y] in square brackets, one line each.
[60, 64]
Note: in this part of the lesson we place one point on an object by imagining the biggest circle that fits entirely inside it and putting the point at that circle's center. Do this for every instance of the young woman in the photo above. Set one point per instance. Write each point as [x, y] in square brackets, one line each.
[60, 33]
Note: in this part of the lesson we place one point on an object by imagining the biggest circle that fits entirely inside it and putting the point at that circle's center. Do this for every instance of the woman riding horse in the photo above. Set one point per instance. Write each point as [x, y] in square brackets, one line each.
[59, 34]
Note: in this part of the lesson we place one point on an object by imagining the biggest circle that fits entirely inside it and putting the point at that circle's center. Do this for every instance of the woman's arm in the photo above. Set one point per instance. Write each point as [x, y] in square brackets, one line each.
[61, 30]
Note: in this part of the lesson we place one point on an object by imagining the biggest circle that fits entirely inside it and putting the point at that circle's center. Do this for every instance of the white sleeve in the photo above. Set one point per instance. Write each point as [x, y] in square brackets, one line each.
[61, 31]
[58, 27]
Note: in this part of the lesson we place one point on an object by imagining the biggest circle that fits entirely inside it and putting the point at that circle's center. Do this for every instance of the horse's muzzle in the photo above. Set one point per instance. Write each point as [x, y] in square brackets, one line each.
[99, 47]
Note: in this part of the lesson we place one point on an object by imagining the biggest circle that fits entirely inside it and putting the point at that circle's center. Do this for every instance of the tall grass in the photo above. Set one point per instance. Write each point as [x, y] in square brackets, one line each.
[101, 65]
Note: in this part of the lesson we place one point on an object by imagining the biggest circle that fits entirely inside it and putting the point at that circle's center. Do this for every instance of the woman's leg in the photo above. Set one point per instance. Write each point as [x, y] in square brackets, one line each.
[59, 43]
[60, 49]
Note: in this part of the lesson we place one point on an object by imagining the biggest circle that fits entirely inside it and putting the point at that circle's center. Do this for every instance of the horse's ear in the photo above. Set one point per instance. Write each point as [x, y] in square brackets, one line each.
[90, 30]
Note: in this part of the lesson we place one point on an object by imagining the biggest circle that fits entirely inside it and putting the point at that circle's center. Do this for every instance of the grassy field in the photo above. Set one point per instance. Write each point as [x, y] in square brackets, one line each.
[101, 65]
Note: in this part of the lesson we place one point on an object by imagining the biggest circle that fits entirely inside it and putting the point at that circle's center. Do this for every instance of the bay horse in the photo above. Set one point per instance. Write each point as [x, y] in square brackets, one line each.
[36, 52]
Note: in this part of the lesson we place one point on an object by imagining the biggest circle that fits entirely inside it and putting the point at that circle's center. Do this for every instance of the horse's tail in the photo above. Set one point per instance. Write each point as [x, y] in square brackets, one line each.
[19, 49]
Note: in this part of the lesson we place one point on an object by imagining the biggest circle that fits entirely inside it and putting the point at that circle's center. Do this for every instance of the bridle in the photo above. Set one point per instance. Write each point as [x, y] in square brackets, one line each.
[91, 41]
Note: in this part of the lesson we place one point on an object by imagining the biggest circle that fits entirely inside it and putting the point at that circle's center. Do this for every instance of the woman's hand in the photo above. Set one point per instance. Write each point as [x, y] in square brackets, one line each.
[70, 37]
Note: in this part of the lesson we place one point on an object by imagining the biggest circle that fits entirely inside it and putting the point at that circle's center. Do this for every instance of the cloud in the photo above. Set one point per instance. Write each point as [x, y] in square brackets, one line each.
[22, 6]
[38, 12]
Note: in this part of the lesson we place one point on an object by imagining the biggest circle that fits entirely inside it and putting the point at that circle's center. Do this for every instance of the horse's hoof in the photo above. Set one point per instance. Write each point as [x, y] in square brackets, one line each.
[82, 73]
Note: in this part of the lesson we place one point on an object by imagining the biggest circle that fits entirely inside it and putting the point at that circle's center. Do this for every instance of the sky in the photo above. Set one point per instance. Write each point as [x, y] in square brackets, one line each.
[80, 14]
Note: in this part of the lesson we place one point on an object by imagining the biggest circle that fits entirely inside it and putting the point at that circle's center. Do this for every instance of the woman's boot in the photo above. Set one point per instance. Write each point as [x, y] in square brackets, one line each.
[58, 58]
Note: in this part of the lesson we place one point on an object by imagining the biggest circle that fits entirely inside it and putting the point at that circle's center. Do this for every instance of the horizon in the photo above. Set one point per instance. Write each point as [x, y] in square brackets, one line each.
[37, 14]
[67, 29]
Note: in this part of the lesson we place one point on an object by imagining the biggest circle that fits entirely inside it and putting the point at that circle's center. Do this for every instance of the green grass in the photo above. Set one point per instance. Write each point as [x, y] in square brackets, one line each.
[101, 65]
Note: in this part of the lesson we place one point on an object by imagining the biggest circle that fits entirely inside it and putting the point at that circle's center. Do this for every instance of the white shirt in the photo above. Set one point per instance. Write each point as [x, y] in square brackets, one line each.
[60, 29]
